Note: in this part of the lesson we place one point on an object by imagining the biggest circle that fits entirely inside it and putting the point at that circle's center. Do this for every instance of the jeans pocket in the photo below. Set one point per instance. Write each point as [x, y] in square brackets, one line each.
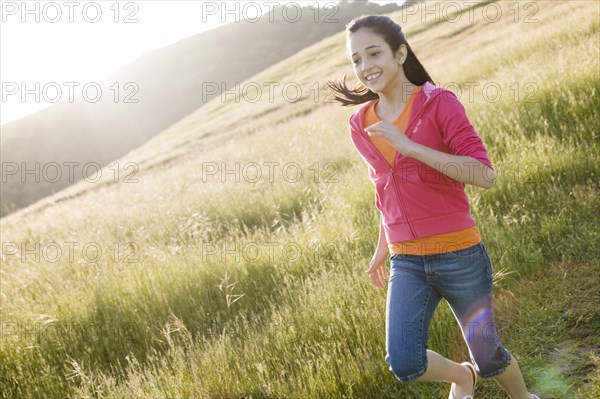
[488, 265]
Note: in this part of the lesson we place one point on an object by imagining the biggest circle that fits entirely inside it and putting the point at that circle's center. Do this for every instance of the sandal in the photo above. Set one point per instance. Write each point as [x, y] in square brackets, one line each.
[474, 374]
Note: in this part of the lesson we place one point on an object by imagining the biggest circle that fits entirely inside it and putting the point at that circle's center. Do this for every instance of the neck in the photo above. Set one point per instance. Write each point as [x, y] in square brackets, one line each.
[397, 96]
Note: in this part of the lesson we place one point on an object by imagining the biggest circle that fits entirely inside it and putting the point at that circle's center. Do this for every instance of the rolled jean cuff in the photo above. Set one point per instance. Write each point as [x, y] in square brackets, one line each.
[499, 371]
[414, 376]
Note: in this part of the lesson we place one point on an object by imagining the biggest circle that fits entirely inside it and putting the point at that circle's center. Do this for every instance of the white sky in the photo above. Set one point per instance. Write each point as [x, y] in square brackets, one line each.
[84, 51]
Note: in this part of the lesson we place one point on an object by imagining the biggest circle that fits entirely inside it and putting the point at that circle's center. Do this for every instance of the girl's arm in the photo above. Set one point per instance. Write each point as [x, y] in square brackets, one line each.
[382, 244]
[468, 160]
[377, 270]
[462, 168]
[464, 162]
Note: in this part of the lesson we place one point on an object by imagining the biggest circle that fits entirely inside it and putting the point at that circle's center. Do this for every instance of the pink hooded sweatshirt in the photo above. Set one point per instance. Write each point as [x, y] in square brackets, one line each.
[414, 199]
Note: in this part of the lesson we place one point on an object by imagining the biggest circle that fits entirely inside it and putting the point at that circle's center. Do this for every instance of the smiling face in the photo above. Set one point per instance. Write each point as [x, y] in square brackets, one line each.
[374, 64]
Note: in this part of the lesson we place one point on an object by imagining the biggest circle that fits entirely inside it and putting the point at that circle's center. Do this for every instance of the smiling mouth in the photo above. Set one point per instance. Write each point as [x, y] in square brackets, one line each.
[373, 77]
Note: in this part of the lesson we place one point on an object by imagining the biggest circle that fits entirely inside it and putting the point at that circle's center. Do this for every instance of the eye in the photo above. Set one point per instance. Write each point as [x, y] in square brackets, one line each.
[372, 54]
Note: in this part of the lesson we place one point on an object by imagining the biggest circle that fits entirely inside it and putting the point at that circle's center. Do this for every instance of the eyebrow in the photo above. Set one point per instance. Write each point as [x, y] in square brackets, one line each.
[367, 48]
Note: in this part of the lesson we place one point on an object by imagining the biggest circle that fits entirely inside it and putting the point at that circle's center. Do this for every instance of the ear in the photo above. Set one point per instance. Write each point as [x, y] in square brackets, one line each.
[401, 54]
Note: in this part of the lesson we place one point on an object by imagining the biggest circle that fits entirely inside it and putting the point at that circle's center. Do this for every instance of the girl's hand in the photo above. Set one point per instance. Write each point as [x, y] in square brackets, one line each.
[395, 136]
[377, 270]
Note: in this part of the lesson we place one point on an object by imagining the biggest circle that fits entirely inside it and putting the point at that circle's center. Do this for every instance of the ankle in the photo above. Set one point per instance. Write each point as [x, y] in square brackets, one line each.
[468, 377]
[464, 376]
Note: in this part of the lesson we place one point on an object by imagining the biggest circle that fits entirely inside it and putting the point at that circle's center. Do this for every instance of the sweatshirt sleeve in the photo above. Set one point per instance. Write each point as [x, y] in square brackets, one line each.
[457, 132]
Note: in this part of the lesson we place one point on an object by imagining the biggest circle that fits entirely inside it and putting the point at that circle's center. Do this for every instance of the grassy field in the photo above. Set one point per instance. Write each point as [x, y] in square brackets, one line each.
[211, 288]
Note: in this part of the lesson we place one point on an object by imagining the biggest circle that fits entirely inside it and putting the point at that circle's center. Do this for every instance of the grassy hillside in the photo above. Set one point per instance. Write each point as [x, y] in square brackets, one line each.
[257, 289]
[156, 90]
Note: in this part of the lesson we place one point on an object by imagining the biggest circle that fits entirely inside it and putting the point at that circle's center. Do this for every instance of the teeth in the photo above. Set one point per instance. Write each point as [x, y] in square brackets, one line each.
[374, 76]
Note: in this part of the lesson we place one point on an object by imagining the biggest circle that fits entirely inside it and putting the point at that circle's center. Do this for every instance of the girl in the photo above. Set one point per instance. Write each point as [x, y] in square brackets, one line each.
[420, 150]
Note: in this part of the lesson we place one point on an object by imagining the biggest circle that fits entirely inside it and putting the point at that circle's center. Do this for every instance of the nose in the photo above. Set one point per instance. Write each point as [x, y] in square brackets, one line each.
[364, 67]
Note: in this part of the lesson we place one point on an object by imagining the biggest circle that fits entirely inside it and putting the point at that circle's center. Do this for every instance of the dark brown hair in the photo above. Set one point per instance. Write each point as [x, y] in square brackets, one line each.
[394, 36]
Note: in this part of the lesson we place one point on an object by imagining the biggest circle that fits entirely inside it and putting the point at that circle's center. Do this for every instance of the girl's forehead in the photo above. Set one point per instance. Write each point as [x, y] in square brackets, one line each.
[361, 41]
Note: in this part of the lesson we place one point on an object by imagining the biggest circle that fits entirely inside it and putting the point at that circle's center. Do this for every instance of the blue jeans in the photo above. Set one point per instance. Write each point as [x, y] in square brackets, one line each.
[416, 285]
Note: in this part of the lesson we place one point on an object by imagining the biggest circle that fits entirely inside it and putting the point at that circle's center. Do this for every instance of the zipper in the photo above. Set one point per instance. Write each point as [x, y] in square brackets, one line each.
[409, 126]
[412, 232]
[402, 204]
[391, 170]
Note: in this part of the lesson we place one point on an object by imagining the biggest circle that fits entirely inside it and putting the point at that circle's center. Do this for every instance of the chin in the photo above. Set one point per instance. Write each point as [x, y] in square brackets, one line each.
[373, 89]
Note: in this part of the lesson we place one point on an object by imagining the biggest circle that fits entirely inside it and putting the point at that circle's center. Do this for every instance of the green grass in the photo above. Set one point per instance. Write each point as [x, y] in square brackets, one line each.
[304, 320]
